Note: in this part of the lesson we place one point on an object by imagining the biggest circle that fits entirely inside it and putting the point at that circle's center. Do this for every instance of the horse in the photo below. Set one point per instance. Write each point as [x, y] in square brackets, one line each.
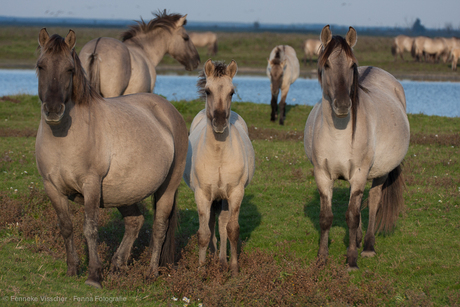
[417, 48]
[282, 69]
[125, 67]
[310, 47]
[204, 39]
[108, 153]
[455, 56]
[220, 162]
[358, 131]
[401, 43]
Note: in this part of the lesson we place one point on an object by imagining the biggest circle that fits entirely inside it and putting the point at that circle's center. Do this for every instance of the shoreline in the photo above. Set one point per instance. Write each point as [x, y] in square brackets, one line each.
[306, 73]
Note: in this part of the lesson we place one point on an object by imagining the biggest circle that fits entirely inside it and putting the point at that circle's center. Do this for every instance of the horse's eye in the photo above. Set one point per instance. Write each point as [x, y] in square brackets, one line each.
[231, 93]
[207, 92]
[186, 38]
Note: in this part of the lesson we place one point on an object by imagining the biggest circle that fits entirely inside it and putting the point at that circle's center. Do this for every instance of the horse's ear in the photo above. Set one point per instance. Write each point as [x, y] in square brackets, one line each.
[232, 68]
[326, 36]
[352, 37]
[71, 39]
[43, 37]
[182, 21]
[208, 68]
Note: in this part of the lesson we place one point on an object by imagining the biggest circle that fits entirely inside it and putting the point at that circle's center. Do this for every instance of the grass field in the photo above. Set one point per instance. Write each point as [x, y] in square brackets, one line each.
[18, 49]
[417, 265]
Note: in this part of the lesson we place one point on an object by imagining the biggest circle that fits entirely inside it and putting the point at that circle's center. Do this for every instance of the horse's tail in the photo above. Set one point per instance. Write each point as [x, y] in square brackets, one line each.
[393, 49]
[93, 70]
[169, 246]
[392, 201]
[214, 47]
[413, 51]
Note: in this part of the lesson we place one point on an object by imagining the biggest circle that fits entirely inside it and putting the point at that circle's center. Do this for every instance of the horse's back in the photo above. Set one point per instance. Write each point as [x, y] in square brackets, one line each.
[113, 61]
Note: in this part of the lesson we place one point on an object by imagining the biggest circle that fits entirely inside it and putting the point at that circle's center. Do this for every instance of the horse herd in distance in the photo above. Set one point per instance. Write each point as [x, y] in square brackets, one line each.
[126, 143]
[426, 49]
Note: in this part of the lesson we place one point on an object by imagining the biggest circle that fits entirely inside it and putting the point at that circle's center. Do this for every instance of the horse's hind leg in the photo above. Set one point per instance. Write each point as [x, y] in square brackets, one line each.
[215, 209]
[61, 206]
[375, 194]
[133, 223]
[274, 104]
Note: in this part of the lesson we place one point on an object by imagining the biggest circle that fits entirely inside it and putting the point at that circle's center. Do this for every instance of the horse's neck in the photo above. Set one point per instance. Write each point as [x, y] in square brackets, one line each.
[334, 123]
[154, 44]
[217, 141]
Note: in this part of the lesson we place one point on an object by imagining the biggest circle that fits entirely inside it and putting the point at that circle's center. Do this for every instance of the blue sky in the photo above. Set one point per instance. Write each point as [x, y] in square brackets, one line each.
[402, 13]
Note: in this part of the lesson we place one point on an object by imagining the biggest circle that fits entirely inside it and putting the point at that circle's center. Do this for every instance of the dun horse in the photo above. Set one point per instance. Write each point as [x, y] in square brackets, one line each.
[120, 68]
[106, 153]
[358, 131]
[401, 43]
[282, 69]
[220, 162]
[310, 48]
[204, 39]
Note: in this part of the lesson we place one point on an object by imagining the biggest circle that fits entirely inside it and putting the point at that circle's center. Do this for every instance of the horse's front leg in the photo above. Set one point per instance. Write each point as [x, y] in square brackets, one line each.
[92, 195]
[274, 104]
[224, 217]
[61, 206]
[353, 217]
[204, 204]
[284, 92]
[325, 185]
[233, 227]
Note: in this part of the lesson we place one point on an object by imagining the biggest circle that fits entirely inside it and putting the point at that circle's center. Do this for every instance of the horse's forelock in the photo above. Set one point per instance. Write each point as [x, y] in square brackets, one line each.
[336, 42]
[161, 20]
[220, 70]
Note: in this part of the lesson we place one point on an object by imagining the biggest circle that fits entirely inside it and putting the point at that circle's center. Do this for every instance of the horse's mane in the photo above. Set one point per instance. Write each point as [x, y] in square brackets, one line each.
[277, 59]
[82, 92]
[340, 42]
[162, 20]
[220, 70]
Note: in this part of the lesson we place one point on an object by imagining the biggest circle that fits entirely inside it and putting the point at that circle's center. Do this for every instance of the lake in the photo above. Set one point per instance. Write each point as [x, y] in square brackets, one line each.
[430, 98]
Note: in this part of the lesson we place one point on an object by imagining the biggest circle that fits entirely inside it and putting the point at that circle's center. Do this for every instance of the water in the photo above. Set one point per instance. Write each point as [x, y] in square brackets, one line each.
[430, 98]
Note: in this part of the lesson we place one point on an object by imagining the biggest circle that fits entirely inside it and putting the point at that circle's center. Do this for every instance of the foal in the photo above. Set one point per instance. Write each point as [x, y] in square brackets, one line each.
[220, 162]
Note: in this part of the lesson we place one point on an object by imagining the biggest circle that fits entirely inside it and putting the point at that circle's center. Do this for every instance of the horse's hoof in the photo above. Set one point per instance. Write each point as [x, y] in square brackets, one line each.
[93, 283]
[368, 254]
[352, 268]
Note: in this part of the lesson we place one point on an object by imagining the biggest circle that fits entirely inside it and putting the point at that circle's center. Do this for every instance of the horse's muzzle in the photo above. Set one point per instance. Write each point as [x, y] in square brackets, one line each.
[341, 110]
[53, 116]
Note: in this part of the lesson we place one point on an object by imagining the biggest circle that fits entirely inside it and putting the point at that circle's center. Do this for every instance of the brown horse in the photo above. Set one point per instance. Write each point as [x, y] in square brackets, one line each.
[220, 162]
[358, 131]
[204, 39]
[108, 153]
[282, 69]
[117, 68]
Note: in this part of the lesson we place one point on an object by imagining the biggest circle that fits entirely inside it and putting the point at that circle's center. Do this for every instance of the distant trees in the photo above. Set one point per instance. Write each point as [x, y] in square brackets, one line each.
[417, 27]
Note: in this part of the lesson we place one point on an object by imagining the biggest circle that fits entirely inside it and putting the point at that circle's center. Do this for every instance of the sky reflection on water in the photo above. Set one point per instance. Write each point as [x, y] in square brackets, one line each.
[430, 98]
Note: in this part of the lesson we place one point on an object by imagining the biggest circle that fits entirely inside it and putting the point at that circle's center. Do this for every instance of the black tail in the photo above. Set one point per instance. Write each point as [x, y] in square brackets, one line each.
[393, 49]
[93, 67]
[392, 201]
[169, 245]
[214, 48]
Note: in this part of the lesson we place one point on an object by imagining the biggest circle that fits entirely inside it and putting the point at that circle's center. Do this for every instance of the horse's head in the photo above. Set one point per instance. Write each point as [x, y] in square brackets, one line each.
[276, 70]
[217, 86]
[55, 69]
[337, 70]
[61, 78]
[181, 47]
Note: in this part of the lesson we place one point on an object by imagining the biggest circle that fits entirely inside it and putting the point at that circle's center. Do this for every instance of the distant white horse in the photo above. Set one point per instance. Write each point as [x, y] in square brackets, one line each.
[401, 43]
[282, 69]
[310, 48]
[220, 162]
[204, 39]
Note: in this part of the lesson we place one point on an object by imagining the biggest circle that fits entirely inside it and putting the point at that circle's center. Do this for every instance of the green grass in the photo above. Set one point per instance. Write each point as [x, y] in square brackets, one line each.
[420, 260]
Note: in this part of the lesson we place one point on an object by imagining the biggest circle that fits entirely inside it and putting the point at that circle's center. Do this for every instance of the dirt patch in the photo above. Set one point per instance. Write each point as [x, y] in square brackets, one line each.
[26, 132]
[8, 98]
[452, 139]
